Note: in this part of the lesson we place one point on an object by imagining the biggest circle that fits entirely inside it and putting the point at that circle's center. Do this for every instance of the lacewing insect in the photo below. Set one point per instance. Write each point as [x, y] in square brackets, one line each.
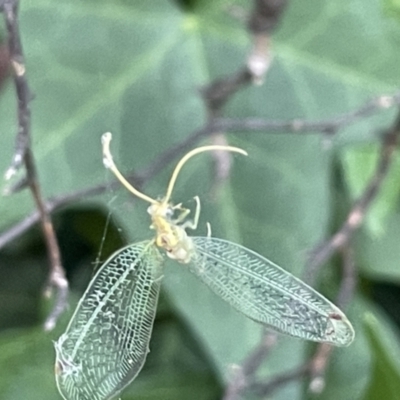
[106, 342]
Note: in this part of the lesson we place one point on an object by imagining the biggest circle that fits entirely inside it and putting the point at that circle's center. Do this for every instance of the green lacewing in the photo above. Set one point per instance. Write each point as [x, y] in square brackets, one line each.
[107, 339]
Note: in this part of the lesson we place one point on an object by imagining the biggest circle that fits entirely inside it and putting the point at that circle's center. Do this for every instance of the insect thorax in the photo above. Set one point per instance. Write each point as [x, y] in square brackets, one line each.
[170, 234]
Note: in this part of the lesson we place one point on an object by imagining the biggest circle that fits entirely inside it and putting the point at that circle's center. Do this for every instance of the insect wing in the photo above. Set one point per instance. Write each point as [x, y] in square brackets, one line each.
[267, 293]
[107, 339]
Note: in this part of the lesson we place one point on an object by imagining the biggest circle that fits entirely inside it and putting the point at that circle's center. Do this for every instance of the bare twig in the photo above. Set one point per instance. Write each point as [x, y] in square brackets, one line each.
[358, 211]
[220, 124]
[10, 8]
[266, 389]
[242, 373]
[331, 125]
[315, 367]
[24, 155]
[215, 97]
[263, 21]
[4, 63]
[349, 277]
[266, 15]
[318, 366]
[321, 358]
[220, 91]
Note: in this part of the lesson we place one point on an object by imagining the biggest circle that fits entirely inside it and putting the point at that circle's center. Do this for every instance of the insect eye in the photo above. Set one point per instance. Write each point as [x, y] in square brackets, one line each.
[150, 209]
[169, 212]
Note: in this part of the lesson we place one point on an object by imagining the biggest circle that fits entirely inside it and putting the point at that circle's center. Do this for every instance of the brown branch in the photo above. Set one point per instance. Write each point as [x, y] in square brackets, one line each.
[4, 64]
[357, 213]
[216, 94]
[266, 389]
[266, 15]
[330, 125]
[22, 143]
[215, 97]
[24, 155]
[318, 367]
[315, 368]
[321, 358]
[349, 277]
[263, 21]
[244, 372]
[225, 124]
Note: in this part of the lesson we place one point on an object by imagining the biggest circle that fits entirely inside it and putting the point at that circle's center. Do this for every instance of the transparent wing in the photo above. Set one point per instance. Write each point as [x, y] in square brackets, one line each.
[268, 294]
[107, 339]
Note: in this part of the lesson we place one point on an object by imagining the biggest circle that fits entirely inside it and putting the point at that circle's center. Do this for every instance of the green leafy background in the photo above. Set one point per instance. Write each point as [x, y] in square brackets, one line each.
[135, 68]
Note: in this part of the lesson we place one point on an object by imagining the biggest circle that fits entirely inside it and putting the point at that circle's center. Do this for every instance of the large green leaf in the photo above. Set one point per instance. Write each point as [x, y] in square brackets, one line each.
[135, 67]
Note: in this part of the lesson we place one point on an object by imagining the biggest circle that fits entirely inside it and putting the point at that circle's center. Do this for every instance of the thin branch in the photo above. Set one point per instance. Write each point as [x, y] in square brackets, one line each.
[4, 64]
[215, 96]
[22, 143]
[357, 213]
[23, 155]
[266, 16]
[330, 125]
[266, 389]
[321, 358]
[349, 277]
[242, 373]
[51, 205]
[217, 93]
[318, 367]
[263, 21]
[220, 124]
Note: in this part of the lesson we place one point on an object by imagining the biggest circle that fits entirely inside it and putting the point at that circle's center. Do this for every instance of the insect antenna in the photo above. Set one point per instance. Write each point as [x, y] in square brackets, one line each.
[109, 163]
[189, 155]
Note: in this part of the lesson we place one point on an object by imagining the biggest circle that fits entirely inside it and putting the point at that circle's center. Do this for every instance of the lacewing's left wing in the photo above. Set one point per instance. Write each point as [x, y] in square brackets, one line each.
[267, 293]
[107, 339]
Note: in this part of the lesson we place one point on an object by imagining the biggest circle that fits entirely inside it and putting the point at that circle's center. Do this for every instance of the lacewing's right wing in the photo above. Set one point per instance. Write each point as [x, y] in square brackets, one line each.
[267, 293]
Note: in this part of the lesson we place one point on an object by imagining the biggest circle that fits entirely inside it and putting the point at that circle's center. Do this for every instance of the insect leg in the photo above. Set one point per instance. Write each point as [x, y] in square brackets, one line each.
[193, 224]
